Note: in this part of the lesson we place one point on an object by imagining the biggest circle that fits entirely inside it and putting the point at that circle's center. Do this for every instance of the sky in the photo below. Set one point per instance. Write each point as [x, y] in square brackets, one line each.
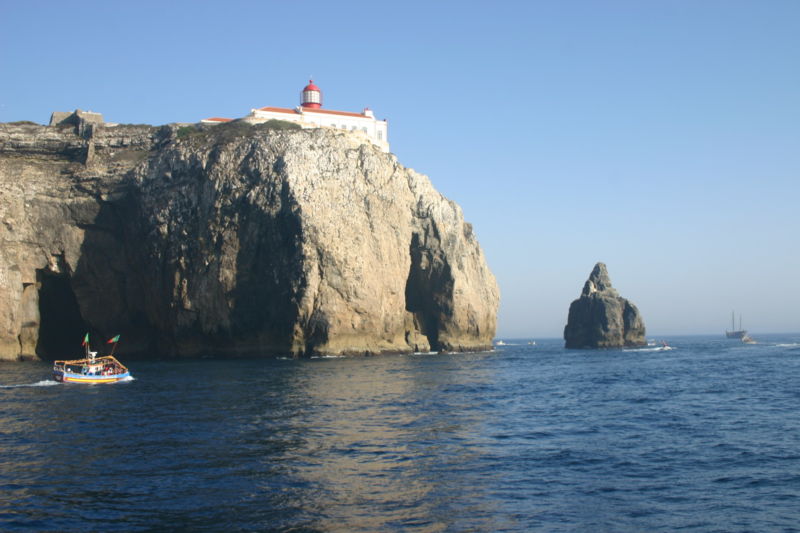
[659, 137]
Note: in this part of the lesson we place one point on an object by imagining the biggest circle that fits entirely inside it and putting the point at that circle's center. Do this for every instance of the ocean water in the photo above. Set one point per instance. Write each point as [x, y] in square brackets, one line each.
[701, 437]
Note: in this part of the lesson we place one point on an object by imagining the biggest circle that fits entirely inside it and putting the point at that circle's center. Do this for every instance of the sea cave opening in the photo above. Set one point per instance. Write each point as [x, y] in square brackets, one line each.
[419, 293]
[61, 326]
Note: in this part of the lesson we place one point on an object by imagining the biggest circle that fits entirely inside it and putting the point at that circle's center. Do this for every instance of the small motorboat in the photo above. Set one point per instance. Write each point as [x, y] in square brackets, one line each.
[91, 369]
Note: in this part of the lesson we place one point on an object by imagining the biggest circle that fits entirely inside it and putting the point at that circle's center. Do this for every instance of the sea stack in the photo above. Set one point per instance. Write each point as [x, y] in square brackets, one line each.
[601, 318]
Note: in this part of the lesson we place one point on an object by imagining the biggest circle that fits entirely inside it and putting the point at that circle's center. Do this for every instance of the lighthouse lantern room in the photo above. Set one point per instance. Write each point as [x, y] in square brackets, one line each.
[311, 97]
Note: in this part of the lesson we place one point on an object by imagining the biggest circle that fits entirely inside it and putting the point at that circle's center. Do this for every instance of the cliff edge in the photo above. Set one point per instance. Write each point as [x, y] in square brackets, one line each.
[601, 318]
[227, 240]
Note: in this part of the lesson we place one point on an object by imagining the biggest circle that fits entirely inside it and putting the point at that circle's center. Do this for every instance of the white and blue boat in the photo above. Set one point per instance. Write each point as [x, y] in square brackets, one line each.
[91, 369]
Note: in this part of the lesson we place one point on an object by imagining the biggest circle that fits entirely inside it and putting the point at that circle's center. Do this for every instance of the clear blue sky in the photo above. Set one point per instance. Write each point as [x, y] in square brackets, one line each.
[662, 138]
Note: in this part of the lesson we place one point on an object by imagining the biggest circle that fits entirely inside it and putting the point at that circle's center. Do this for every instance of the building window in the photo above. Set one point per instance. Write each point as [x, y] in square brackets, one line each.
[380, 135]
[364, 130]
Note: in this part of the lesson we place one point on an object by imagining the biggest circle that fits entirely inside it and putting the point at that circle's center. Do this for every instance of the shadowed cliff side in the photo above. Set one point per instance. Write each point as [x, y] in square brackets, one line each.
[230, 240]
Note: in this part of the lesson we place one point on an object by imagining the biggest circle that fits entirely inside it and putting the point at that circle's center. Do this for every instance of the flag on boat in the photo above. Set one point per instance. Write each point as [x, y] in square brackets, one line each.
[112, 341]
[85, 340]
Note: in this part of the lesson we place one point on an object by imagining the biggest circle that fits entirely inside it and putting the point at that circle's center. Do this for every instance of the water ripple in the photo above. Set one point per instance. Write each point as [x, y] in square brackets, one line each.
[530, 438]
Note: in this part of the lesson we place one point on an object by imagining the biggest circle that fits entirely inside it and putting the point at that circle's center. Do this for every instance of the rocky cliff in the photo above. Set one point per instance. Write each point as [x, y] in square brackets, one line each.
[601, 318]
[230, 239]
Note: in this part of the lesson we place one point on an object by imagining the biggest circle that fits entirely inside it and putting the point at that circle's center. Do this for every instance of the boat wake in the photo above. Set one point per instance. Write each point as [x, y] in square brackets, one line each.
[650, 349]
[43, 383]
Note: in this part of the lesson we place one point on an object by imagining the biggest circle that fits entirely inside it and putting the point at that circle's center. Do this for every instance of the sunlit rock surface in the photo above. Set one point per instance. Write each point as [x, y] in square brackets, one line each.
[226, 240]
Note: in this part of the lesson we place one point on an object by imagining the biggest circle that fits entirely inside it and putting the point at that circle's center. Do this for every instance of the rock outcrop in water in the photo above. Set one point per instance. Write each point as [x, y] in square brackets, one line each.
[601, 318]
[230, 239]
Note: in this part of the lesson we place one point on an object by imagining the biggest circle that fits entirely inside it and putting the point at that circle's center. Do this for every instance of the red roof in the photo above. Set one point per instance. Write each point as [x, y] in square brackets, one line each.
[218, 119]
[329, 112]
[307, 110]
[278, 110]
[311, 87]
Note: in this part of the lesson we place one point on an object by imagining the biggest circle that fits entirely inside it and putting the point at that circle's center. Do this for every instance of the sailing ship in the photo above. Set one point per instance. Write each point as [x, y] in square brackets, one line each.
[735, 333]
[91, 369]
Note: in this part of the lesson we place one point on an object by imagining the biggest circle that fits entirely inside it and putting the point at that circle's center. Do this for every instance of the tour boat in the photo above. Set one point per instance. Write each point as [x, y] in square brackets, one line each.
[91, 369]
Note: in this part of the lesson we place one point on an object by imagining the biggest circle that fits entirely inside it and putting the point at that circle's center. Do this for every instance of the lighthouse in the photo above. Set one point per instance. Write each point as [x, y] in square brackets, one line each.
[309, 114]
[311, 96]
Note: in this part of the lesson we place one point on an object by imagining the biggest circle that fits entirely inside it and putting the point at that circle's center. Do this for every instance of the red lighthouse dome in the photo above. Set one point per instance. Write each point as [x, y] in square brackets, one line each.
[311, 96]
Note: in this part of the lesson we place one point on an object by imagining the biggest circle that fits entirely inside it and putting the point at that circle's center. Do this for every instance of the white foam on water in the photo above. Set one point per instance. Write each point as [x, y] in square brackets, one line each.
[43, 383]
[655, 349]
[789, 345]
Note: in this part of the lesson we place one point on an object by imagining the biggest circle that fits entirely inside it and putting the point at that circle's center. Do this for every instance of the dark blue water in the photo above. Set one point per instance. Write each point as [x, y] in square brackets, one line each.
[704, 437]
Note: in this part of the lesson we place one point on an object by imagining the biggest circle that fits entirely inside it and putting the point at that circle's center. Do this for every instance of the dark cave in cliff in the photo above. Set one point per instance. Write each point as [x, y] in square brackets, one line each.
[420, 289]
[61, 326]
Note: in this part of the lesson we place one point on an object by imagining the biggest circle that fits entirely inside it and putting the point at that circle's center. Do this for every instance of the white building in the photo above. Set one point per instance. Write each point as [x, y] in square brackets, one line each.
[309, 114]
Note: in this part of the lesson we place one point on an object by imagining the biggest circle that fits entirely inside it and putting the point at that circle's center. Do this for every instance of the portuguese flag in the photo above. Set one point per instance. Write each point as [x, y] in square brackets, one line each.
[85, 340]
[112, 341]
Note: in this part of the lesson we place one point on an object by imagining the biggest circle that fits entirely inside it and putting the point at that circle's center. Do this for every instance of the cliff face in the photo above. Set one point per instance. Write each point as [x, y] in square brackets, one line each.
[601, 318]
[231, 239]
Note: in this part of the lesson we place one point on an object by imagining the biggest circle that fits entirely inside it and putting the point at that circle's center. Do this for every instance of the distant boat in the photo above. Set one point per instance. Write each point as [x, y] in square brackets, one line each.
[747, 339]
[500, 343]
[736, 333]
